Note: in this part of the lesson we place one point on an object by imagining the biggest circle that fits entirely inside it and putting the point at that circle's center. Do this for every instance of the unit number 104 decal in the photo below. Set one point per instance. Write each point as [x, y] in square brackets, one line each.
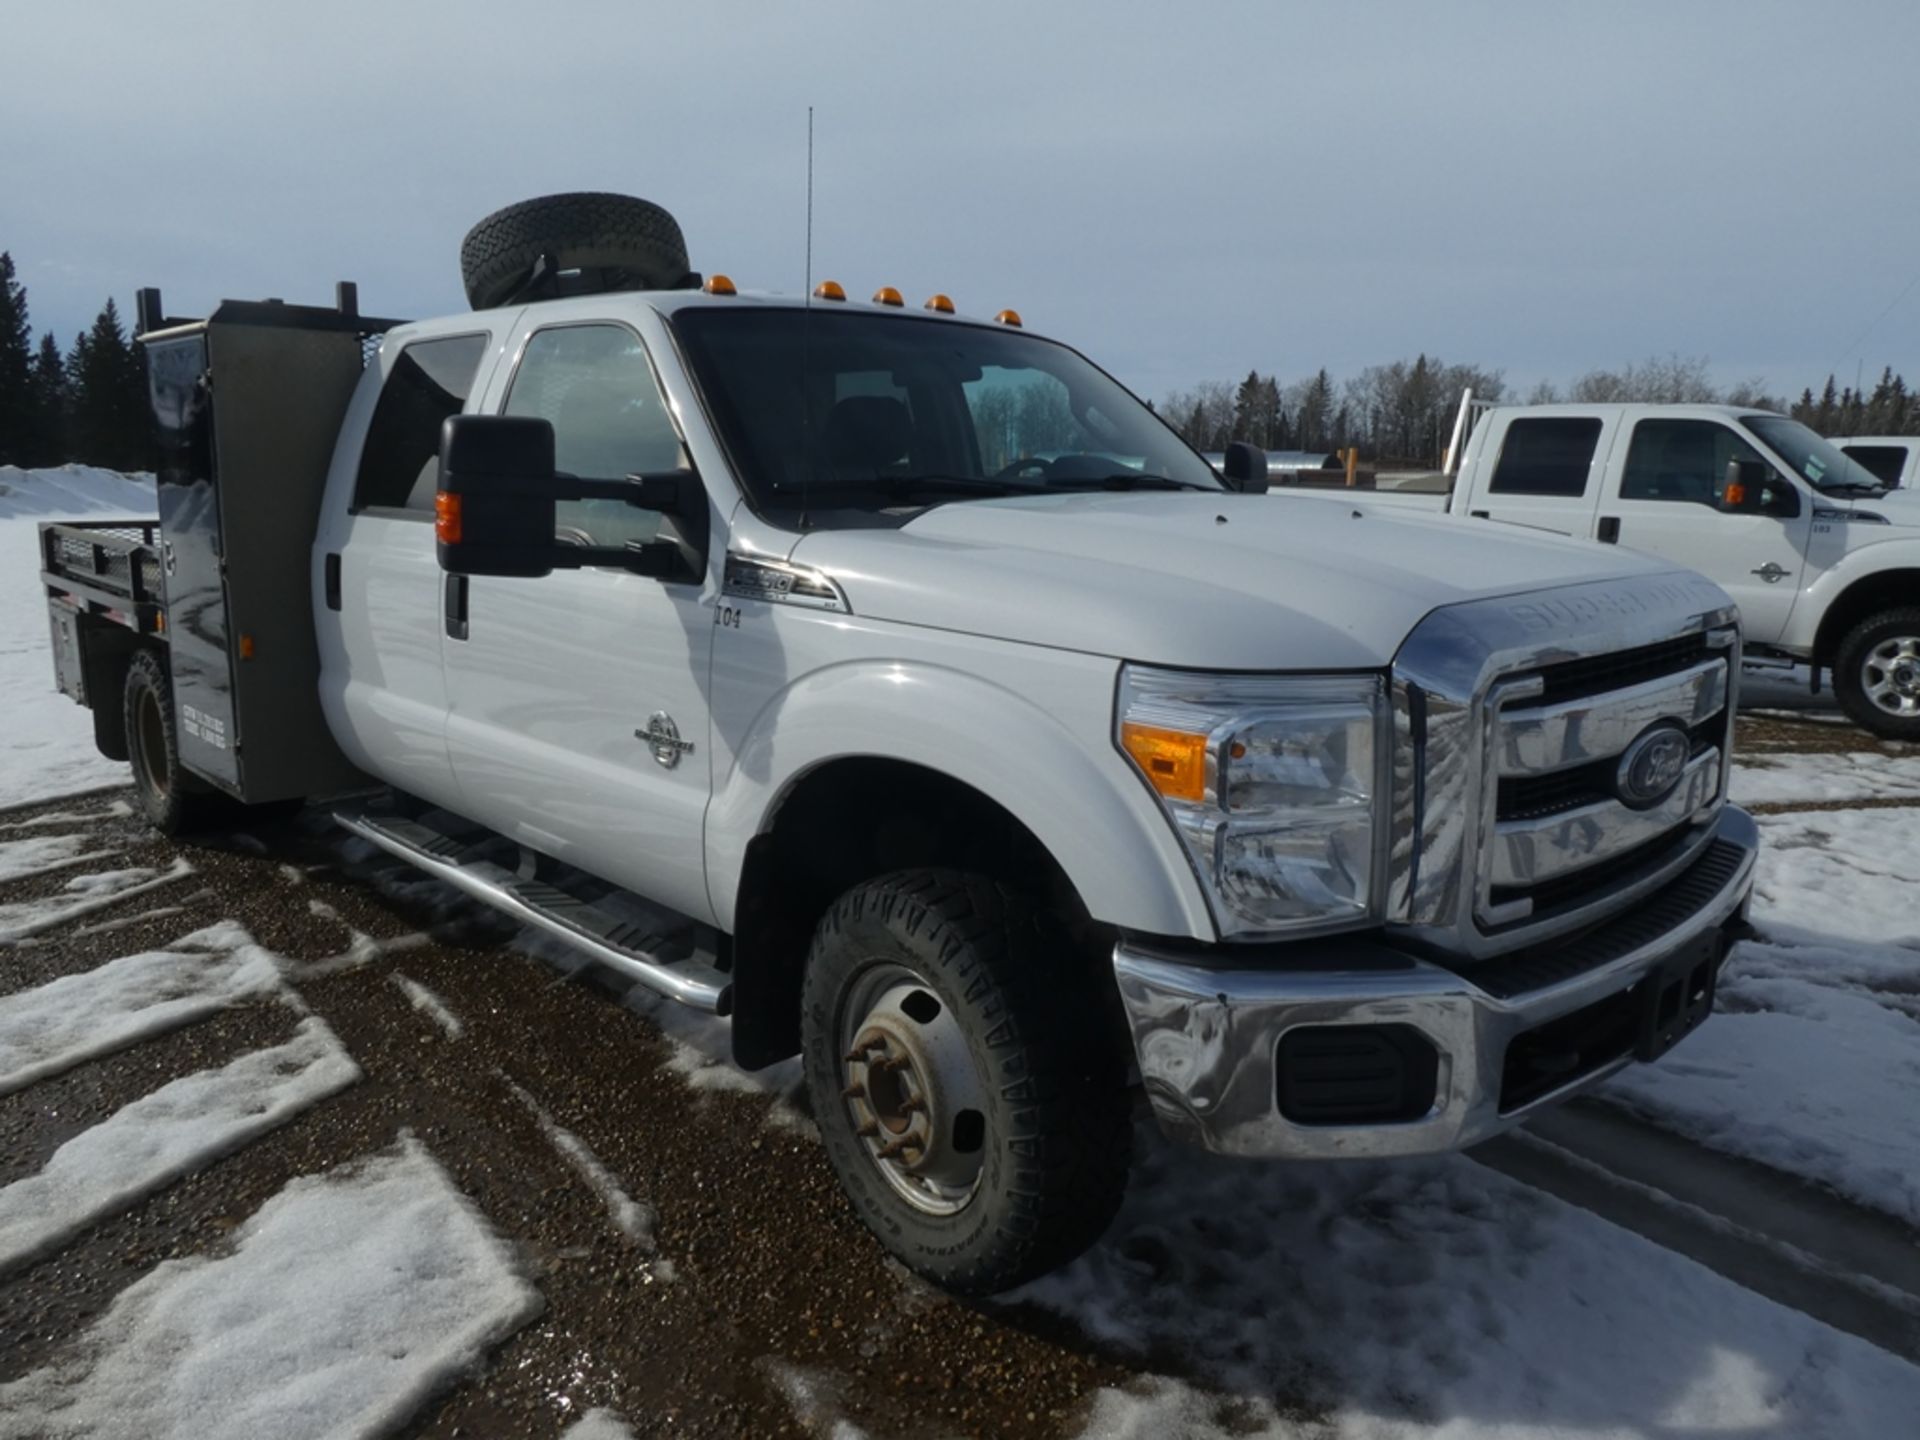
[727, 616]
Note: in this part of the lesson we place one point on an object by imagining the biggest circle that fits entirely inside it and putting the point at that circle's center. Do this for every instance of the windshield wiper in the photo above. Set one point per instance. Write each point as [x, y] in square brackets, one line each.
[905, 485]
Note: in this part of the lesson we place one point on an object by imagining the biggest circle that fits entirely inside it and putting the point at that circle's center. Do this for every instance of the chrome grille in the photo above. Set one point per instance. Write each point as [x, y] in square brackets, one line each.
[1510, 822]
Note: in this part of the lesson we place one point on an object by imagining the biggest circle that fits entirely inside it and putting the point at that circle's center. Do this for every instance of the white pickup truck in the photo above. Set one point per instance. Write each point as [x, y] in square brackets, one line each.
[1893, 460]
[1823, 561]
[997, 787]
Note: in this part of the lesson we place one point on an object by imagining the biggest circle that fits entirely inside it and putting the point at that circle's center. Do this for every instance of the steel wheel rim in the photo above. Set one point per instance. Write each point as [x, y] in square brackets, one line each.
[152, 733]
[910, 1086]
[1890, 675]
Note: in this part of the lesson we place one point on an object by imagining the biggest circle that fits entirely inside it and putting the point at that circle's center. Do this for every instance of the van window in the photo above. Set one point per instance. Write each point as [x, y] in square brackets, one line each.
[1883, 462]
[1548, 455]
[1681, 460]
[596, 386]
[429, 382]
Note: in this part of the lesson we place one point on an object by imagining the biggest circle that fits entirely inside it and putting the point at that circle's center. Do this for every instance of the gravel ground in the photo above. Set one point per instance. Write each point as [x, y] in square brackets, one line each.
[772, 1277]
[769, 1280]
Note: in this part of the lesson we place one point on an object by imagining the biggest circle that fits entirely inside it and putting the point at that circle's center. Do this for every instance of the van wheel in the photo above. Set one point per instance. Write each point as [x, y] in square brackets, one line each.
[1877, 674]
[174, 801]
[974, 1113]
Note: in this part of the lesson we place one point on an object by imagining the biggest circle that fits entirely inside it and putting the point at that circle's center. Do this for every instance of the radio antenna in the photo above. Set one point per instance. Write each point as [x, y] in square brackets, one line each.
[806, 346]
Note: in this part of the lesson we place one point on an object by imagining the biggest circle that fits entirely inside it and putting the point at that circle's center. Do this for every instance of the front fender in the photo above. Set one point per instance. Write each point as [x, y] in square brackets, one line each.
[1862, 563]
[1036, 743]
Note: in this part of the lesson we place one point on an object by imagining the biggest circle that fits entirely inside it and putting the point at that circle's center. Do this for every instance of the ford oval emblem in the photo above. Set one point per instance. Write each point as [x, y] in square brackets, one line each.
[1652, 765]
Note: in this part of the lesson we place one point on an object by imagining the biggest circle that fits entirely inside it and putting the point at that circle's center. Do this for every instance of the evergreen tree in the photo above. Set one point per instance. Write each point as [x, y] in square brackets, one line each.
[16, 366]
[109, 402]
[50, 405]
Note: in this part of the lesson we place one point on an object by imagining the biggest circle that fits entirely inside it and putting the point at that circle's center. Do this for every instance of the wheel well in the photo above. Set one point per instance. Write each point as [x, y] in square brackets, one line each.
[108, 650]
[1889, 590]
[847, 822]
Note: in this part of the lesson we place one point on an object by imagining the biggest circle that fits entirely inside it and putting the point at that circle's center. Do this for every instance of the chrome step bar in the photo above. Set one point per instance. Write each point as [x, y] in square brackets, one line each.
[692, 983]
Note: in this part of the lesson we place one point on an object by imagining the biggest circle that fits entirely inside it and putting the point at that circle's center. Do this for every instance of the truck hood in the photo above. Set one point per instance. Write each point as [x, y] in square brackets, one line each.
[1228, 581]
[1900, 508]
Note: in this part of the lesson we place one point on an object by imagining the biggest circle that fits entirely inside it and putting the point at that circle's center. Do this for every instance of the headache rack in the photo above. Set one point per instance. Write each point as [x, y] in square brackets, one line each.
[247, 404]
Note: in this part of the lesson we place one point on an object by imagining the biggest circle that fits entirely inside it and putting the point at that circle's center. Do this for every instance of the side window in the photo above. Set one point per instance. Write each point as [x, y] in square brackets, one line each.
[428, 382]
[1550, 455]
[1680, 460]
[1883, 462]
[596, 386]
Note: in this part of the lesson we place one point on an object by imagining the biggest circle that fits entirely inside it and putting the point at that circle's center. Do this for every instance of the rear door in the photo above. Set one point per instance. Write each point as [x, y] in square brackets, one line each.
[577, 701]
[1542, 470]
[1661, 499]
[389, 702]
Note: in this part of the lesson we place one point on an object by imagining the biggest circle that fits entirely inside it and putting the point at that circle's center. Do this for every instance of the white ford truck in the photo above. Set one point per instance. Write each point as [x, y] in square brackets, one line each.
[961, 731]
[1822, 559]
[1893, 460]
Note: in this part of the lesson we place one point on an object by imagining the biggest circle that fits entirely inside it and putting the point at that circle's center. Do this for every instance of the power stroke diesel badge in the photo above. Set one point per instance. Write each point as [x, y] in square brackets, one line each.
[1652, 765]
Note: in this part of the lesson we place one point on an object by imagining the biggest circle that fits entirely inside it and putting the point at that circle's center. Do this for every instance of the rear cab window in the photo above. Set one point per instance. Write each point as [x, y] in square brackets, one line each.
[399, 463]
[1546, 455]
[1883, 462]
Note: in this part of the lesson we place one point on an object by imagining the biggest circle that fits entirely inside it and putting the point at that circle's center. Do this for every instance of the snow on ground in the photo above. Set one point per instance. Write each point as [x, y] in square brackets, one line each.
[347, 1300]
[430, 1005]
[1840, 874]
[598, 1425]
[83, 895]
[46, 747]
[78, 1017]
[43, 854]
[162, 1136]
[1785, 779]
[630, 1217]
[1437, 1299]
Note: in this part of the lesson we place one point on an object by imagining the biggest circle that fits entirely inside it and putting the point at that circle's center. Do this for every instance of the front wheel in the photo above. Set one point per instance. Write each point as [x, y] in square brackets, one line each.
[1877, 674]
[970, 1101]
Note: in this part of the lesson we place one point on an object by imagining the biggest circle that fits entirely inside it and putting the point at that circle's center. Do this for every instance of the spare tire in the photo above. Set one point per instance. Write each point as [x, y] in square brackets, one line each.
[629, 244]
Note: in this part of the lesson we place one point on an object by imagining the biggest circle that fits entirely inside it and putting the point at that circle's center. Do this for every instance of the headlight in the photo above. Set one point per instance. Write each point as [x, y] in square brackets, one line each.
[1272, 783]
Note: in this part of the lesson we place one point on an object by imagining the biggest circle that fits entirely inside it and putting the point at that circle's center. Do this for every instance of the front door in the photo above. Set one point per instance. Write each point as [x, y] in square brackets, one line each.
[577, 702]
[1662, 500]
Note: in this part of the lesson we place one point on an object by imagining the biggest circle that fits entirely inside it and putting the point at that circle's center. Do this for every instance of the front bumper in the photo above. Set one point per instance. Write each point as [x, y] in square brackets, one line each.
[1480, 1049]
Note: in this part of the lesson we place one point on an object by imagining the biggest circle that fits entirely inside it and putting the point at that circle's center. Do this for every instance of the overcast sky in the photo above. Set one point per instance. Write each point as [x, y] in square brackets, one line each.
[1184, 190]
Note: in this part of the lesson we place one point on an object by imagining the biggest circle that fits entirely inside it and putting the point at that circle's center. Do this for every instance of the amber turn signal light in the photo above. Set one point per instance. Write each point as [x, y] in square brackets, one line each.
[719, 285]
[940, 303]
[887, 295]
[446, 518]
[1008, 317]
[1175, 762]
[829, 290]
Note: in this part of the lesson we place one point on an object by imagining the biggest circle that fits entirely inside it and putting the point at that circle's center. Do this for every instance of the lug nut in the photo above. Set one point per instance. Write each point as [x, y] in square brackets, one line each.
[868, 1129]
[918, 1102]
[896, 1148]
[855, 1091]
[891, 1062]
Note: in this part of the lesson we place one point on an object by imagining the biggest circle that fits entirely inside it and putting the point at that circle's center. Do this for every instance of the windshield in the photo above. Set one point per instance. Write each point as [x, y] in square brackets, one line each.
[852, 416]
[1814, 460]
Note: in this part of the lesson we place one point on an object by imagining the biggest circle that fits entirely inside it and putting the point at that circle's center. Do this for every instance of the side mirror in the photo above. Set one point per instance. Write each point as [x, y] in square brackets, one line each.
[1743, 489]
[1245, 468]
[494, 512]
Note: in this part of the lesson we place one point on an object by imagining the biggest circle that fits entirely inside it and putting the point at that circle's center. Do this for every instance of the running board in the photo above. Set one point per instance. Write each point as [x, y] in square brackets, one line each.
[580, 924]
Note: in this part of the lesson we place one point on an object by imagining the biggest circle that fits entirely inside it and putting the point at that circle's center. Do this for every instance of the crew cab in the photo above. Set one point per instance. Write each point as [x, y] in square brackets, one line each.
[945, 719]
[1822, 560]
[1893, 460]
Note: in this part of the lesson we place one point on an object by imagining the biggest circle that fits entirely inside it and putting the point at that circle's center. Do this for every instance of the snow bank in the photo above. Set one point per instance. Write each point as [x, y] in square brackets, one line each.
[42, 854]
[1437, 1299]
[46, 747]
[78, 1017]
[162, 1136]
[1839, 874]
[348, 1299]
[84, 894]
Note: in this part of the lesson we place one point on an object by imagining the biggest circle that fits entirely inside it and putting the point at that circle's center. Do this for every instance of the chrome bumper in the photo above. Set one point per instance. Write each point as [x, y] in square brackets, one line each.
[1208, 1033]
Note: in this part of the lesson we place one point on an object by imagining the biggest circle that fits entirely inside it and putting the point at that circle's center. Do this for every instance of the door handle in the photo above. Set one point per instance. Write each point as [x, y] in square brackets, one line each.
[333, 581]
[1772, 572]
[1609, 531]
[456, 606]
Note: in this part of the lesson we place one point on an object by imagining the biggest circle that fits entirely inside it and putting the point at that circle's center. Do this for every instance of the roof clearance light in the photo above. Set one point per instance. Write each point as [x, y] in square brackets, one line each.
[1008, 317]
[887, 295]
[940, 303]
[719, 285]
[829, 290]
